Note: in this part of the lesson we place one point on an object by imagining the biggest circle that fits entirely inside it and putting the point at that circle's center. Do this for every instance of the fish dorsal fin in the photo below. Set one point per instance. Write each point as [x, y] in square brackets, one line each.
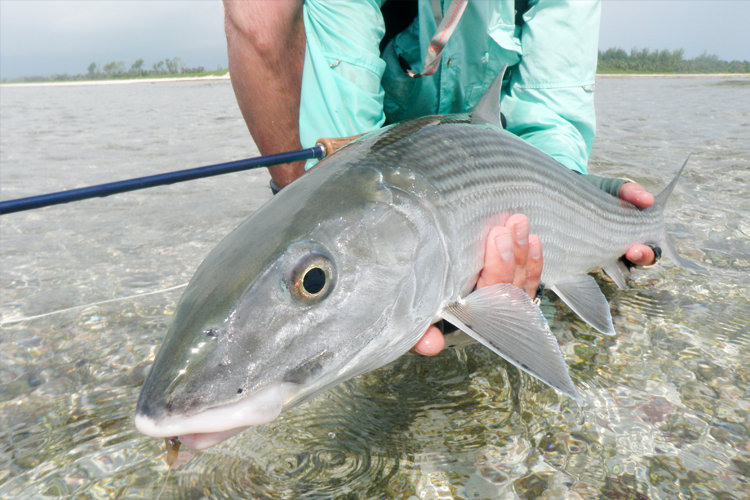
[487, 109]
[504, 318]
[582, 294]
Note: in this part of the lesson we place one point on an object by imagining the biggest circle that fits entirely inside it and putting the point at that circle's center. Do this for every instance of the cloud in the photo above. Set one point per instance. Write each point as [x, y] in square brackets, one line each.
[715, 27]
[44, 37]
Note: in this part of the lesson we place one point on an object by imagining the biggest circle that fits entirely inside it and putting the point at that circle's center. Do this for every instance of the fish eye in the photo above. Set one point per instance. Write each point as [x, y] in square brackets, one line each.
[314, 281]
[312, 278]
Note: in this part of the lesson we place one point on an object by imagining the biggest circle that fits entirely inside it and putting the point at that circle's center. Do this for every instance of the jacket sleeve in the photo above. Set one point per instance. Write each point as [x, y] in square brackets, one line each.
[341, 92]
[550, 102]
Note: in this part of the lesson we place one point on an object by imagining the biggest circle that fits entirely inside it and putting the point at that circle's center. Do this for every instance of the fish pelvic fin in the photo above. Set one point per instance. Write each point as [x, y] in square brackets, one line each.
[583, 295]
[665, 243]
[506, 320]
[487, 109]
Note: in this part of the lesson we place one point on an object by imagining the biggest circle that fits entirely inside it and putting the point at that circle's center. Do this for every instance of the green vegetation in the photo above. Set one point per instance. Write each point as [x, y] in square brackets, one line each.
[613, 60]
[116, 70]
[617, 60]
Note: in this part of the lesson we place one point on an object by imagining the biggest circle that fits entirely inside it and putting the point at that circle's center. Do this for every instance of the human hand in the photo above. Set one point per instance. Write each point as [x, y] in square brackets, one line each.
[514, 256]
[511, 256]
[639, 254]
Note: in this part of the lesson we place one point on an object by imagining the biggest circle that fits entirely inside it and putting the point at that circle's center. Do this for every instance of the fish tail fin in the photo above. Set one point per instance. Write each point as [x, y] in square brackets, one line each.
[669, 250]
[660, 200]
[665, 243]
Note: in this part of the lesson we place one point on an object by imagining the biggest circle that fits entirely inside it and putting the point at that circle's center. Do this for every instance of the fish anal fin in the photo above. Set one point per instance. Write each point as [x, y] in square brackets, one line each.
[506, 320]
[617, 271]
[583, 295]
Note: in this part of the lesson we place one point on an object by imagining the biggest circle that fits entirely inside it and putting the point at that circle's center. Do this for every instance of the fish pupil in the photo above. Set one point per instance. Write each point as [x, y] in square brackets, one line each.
[314, 280]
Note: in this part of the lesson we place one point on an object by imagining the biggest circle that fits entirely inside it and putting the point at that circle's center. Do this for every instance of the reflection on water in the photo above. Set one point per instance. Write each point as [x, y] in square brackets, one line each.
[667, 398]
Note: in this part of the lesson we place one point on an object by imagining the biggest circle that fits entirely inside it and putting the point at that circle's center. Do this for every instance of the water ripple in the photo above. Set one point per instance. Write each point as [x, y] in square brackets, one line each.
[666, 399]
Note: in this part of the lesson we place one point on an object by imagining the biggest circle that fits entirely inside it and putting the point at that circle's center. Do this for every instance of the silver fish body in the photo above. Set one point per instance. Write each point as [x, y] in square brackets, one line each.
[345, 269]
[456, 167]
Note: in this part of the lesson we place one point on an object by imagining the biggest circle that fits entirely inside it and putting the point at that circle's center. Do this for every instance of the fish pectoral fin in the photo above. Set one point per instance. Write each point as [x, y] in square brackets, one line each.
[583, 295]
[617, 271]
[506, 320]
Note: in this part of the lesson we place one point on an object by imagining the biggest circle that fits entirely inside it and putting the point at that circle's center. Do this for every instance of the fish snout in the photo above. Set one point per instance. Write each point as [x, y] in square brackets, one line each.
[214, 425]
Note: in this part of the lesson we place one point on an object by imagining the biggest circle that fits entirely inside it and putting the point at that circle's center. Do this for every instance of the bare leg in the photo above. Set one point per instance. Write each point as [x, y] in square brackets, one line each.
[266, 48]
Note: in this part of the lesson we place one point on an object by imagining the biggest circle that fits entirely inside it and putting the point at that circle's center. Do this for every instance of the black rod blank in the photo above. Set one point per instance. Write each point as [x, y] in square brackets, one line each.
[46, 200]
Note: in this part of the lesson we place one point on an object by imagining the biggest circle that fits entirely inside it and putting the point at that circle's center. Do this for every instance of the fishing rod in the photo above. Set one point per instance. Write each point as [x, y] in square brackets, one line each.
[18, 205]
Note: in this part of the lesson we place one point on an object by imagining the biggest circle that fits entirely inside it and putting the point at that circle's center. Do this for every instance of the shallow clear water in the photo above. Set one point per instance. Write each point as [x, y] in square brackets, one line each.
[667, 399]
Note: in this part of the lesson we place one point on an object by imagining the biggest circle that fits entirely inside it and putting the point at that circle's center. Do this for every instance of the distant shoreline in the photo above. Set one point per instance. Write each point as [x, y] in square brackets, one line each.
[207, 78]
[225, 77]
[673, 75]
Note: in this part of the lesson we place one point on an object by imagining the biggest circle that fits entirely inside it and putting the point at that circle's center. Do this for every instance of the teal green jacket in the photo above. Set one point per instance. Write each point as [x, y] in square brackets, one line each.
[349, 87]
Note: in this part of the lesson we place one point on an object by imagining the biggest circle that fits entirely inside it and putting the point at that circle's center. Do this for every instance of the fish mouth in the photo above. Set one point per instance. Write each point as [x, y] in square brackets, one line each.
[201, 441]
[212, 426]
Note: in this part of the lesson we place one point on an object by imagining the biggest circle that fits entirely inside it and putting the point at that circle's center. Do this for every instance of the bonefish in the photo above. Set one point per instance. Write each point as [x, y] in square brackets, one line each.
[345, 269]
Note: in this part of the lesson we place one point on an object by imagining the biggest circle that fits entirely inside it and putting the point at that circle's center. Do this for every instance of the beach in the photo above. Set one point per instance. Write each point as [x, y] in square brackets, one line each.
[207, 78]
[227, 77]
[673, 75]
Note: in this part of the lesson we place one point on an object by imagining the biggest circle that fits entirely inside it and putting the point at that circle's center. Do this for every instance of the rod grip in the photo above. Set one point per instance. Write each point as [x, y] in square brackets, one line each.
[332, 145]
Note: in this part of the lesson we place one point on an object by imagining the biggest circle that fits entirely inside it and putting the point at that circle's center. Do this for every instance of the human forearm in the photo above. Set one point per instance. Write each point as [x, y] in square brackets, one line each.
[266, 49]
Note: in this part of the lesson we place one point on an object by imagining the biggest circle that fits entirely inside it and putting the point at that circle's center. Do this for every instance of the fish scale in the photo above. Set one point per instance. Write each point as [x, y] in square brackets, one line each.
[507, 176]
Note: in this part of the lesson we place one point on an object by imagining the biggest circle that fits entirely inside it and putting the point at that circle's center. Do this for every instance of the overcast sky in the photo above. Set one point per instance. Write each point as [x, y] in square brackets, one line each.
[57, 36]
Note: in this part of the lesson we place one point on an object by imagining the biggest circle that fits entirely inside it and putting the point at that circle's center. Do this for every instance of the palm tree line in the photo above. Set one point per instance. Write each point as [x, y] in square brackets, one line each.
[118, 70]
[614, 60]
